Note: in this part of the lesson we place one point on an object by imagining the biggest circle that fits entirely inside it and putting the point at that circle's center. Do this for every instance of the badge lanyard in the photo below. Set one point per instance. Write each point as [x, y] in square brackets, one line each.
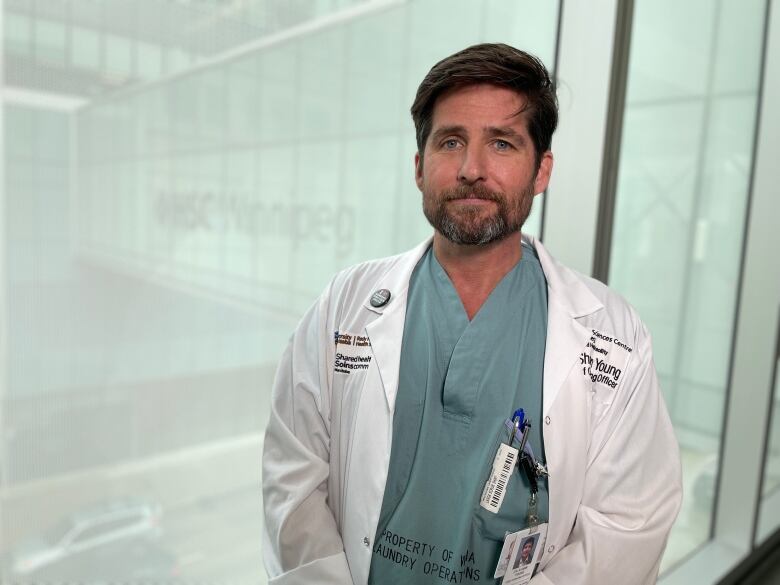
[504, 462]
[513, 569]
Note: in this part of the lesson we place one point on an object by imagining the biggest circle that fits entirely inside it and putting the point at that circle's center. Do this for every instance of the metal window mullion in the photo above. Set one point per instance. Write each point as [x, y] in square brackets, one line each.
[3, 303]
[616, 111]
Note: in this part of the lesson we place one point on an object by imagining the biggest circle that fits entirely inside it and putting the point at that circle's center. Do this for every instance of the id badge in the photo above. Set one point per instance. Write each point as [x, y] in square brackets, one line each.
[495, 487]
[520, 555]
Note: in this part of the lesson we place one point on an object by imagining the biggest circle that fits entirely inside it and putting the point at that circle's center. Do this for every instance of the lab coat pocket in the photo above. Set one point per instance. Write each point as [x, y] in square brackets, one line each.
[511, 516]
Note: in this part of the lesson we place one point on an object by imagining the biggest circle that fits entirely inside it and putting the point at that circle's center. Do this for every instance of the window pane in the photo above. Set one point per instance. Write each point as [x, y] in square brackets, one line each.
[50, 41]
[682, 190]
[86, 48]
[163, 240]
[17, 34]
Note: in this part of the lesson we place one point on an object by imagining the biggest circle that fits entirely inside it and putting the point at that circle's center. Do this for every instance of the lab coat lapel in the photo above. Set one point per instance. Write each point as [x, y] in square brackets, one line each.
[566, 340]
[568, 299]
[387, 330]
[385, 334]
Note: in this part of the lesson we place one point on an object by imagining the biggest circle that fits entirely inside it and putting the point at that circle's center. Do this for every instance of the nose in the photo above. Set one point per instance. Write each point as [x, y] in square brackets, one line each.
[472, 168]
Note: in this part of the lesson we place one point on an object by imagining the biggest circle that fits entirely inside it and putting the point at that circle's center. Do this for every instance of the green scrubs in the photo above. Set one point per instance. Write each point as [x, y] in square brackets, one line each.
[459, 381]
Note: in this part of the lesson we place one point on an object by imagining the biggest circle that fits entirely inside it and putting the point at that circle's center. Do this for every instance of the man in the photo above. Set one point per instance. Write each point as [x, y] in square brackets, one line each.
[526, 553]
[399, 448]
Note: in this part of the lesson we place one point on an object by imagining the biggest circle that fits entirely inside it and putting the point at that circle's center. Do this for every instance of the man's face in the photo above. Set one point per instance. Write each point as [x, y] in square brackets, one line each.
[478, 174]
[527, 548]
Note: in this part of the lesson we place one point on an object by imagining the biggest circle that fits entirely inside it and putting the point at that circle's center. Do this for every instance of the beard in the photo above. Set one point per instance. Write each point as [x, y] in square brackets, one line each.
[473, 225]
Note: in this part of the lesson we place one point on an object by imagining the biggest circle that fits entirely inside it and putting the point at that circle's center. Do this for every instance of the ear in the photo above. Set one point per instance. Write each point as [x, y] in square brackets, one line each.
[542, 178]
[418, 171]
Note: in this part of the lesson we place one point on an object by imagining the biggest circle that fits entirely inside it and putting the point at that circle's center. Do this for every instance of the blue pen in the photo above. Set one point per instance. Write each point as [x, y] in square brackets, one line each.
[518, 418]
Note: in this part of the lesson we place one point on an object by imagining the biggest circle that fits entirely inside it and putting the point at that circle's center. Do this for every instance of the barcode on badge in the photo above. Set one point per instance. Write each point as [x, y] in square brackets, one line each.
[495, 487]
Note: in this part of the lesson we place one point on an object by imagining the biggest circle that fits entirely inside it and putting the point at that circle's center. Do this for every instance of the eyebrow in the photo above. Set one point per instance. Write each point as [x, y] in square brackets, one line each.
[504, 132]
[447, 130]
[490, 131]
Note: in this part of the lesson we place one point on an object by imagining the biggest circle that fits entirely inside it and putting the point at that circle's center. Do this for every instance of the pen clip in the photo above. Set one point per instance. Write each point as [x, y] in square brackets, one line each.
[518, 420]
[513, 427]
[526, 429]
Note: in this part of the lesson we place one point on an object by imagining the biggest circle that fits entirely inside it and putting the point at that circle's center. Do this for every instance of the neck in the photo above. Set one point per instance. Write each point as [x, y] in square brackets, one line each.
[476, 270]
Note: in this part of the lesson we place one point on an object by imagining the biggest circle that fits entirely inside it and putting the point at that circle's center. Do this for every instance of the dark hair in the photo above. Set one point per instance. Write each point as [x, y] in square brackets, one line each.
[496, 64]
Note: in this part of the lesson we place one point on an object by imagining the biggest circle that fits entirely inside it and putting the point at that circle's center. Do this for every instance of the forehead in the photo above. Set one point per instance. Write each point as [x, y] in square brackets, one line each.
[480, 105]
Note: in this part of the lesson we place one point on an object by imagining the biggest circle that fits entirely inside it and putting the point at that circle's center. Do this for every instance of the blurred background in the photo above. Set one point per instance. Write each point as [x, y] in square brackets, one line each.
[181, 178]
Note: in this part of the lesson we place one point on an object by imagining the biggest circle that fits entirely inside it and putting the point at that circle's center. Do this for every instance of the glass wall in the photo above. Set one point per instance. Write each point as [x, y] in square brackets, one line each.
[683, 184]
[180, 182]
[257, 178]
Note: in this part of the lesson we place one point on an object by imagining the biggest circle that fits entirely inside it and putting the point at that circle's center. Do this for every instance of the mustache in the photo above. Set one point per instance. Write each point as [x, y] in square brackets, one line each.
[473, 191]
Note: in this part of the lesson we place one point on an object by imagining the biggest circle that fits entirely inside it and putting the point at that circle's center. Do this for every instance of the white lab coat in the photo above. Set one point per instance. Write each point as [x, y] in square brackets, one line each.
[615, 481]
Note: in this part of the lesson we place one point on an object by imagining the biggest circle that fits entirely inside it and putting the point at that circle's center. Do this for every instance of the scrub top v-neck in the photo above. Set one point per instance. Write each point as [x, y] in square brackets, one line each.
[459, 381]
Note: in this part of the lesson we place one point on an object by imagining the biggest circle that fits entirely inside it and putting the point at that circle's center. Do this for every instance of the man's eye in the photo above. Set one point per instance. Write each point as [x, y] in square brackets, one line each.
[450, 143]
[503, 145]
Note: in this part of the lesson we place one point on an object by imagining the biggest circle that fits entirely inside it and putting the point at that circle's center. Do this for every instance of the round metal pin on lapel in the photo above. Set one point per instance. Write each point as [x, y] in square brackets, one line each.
[380, 298]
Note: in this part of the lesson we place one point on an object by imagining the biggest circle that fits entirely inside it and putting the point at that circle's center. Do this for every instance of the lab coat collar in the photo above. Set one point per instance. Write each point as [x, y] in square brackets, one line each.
[564, 285]
[568, 299]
